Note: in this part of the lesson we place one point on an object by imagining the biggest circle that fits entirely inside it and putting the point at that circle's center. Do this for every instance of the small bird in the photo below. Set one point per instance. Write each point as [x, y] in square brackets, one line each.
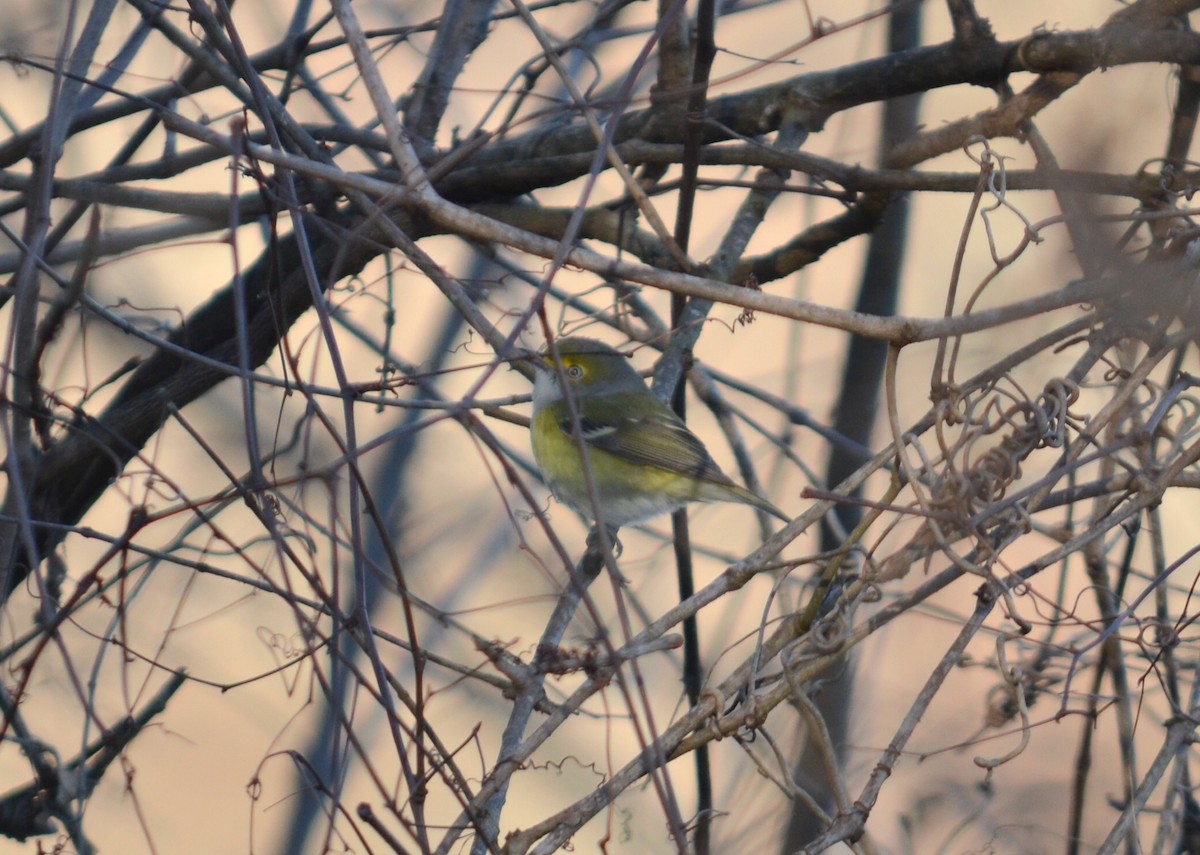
[644, 460]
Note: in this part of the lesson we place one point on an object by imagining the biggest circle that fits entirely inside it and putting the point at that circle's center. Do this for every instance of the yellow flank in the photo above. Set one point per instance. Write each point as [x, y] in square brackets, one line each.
[629, 492]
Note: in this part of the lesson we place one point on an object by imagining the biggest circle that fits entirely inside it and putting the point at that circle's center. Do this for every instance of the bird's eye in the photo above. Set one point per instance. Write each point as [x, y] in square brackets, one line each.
[574, 372]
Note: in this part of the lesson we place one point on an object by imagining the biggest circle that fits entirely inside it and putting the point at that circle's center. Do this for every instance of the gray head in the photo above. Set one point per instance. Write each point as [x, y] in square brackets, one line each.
[589, 366]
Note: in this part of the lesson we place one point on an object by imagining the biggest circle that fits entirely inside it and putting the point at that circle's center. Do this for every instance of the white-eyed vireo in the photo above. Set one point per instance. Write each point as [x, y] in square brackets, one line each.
[643, 458]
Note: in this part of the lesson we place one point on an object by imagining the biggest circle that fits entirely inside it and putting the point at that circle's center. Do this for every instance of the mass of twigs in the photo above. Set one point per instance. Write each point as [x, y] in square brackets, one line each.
[278, 572]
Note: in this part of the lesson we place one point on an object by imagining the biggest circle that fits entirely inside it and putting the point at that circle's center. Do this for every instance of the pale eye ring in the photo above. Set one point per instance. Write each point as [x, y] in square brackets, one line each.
[574, 372]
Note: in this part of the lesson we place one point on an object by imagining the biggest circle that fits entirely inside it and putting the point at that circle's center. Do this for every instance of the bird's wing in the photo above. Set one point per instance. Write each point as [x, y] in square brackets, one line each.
[659, 440]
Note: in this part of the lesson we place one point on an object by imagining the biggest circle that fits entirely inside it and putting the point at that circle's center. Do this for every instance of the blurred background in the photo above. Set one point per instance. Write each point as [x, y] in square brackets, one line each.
[276, 556]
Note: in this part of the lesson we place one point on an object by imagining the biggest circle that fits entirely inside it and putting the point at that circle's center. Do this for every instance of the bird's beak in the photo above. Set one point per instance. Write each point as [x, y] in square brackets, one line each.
[529, 362]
